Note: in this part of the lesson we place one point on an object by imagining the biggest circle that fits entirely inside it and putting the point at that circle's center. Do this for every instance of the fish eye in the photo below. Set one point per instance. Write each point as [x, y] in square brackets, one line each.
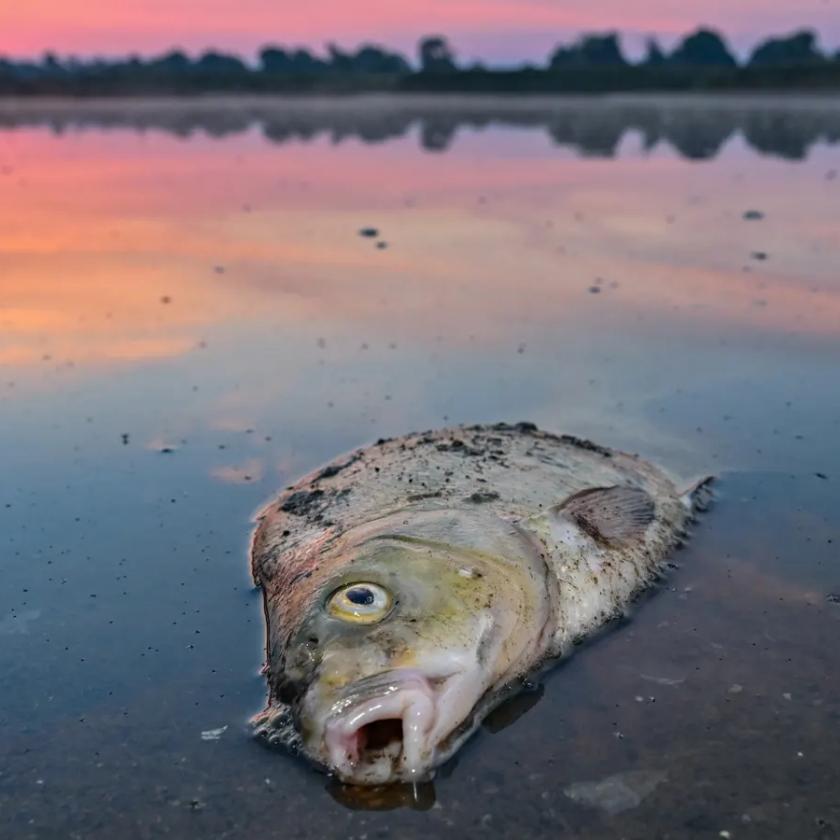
[360, 603]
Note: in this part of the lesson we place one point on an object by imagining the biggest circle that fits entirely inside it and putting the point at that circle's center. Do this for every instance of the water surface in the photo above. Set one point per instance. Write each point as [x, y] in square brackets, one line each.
[189, 319]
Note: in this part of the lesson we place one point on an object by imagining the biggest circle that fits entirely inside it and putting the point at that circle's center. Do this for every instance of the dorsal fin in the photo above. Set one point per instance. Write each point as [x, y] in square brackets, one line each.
[610, 515]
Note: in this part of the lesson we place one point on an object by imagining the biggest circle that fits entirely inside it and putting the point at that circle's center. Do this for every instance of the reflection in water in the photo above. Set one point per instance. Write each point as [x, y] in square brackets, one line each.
[512, 709]
[117, 249]
[419, 797]
[187, 326]
[696, 126]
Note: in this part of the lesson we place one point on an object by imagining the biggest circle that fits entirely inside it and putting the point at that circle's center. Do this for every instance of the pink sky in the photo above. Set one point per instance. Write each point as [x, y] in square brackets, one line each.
[499, 30]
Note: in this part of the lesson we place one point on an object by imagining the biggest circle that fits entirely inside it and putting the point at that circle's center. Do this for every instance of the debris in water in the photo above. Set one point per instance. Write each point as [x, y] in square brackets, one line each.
[161, 446]
[663, 680]
[617, 793]
[213, 734]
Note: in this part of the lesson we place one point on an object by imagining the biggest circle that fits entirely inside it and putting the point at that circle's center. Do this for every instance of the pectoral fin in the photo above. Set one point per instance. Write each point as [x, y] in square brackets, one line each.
[610, 515]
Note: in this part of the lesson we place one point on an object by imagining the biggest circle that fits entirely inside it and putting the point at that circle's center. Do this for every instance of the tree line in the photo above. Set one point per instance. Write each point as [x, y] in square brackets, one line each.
[595, 62]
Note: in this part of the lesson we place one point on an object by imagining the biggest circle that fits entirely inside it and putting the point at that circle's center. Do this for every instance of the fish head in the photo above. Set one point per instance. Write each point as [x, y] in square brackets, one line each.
[404, 642]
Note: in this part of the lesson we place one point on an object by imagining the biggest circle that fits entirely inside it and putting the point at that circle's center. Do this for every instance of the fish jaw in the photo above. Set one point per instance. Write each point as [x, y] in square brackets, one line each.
[401, 715]
[390, 728]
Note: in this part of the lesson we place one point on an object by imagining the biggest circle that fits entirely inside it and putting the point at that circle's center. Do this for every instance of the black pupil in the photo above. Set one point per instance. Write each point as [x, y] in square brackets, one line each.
[360, 596]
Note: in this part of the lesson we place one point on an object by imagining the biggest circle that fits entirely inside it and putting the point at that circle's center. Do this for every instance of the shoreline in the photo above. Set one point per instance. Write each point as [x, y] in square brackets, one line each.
[464, 102]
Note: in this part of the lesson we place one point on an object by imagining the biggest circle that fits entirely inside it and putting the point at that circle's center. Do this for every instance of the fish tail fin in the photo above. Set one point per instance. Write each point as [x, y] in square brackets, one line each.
[698, 496]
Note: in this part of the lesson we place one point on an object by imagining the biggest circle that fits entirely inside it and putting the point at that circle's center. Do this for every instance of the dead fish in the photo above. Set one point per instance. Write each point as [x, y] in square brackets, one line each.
[410, 587]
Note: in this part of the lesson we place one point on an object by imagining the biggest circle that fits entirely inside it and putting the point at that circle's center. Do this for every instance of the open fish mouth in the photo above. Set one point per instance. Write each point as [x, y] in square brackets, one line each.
[386, 728]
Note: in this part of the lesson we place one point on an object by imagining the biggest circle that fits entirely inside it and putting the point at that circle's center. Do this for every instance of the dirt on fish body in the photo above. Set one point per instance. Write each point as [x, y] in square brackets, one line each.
[410, 586]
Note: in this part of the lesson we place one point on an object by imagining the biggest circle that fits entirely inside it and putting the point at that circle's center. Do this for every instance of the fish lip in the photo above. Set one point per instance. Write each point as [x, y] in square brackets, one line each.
[384, 682]
[405, 694]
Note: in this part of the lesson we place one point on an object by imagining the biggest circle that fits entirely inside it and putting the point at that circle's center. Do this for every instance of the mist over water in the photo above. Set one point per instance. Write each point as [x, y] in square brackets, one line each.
[696, 126]
[189, 320]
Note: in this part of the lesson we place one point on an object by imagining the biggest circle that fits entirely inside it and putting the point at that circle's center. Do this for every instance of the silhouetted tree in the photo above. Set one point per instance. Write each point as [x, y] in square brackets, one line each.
[274, 60]
[373, 59]
[173, 62]
[368, 60]
[797, 49]
[703, 48]
[221, 64]
[339, 60]
[654, 57]
[592, 50]
[436, 55]
[303, 62]
[279, 62]
[52, 65]
[593, 63]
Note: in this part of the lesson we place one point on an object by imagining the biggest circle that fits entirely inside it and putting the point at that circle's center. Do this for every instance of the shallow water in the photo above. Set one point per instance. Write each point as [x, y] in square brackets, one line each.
[189, 320]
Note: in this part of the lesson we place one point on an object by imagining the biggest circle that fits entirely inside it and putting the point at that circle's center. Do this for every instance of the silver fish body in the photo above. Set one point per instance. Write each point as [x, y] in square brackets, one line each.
[410, 585]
